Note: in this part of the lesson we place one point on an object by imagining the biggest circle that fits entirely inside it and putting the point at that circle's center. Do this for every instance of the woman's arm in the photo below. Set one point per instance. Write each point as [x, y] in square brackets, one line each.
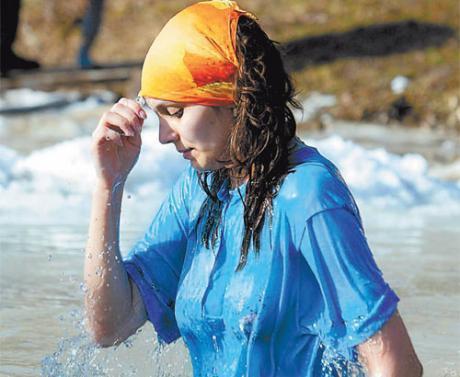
[113, 304]
[359, 301]
[389, 353]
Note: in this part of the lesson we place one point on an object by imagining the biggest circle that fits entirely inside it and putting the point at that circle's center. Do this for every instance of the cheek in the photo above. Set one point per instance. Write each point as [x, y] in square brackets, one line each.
[194, 133]
[201, 130]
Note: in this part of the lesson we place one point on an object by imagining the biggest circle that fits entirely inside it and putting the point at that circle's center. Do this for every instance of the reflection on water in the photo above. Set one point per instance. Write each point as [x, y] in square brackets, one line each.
[41, 318]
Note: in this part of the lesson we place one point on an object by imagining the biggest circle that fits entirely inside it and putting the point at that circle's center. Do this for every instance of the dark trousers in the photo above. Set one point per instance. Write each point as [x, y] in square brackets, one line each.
[9, 24]
[91, 23]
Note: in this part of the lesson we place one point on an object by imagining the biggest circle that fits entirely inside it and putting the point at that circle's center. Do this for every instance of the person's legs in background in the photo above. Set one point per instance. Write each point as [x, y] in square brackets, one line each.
[90, 27]
[8, 27]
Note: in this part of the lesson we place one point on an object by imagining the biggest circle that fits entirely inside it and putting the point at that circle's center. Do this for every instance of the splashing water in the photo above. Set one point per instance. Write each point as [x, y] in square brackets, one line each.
[335, 364]
[77, 355]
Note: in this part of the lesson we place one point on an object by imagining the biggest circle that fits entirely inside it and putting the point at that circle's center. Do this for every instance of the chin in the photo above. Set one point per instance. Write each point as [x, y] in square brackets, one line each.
[203, 166]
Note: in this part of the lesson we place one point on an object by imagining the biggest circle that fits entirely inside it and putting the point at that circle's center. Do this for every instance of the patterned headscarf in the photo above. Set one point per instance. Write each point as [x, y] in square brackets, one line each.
[193, 59]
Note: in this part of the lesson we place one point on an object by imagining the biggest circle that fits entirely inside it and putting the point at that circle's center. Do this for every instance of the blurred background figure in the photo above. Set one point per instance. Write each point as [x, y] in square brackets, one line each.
[8, 28]
[90, 28]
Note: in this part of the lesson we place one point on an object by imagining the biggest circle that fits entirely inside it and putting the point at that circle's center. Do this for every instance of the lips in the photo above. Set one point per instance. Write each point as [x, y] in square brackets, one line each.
[186, 153]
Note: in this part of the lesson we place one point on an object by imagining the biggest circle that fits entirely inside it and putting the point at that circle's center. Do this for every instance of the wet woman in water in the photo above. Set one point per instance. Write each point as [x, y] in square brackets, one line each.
[257, 258]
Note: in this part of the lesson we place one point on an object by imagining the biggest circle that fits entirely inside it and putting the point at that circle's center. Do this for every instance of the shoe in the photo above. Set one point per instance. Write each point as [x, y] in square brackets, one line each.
[10, 62]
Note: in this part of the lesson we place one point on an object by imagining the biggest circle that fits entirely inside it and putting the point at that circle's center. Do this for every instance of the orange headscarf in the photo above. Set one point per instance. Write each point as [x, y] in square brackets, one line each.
[193, 59]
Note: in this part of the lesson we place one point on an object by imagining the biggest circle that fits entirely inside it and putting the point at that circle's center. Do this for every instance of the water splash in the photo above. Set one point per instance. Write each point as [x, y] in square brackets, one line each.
[246, 324]
[77, 355]
[335, 364]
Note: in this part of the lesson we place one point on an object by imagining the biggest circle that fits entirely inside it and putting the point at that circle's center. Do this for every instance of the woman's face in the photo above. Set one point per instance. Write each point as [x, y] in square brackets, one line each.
[199, 132]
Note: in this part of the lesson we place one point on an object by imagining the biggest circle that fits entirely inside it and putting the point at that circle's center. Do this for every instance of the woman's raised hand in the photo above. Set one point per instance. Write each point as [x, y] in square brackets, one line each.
[116, 142]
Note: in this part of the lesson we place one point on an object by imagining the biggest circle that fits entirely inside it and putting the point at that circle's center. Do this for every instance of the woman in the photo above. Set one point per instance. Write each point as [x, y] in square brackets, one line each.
[257, 258]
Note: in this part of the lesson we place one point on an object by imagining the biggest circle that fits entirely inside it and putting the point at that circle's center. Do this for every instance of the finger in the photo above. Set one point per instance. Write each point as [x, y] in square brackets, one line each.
[133, 105]
[109, 135]
[125, 111]
[117, 123]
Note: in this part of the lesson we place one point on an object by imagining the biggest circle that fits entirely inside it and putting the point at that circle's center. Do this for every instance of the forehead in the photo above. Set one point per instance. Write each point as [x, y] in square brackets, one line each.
[155, 103]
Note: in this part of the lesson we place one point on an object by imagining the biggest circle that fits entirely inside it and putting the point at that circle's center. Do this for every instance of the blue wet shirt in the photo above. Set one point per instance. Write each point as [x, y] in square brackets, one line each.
[298, 308]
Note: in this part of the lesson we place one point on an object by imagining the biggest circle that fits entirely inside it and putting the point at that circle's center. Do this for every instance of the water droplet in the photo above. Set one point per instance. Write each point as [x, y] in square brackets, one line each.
[83, 287]
[246, 324]
[99, 271]
[214, 343]
[128, 343]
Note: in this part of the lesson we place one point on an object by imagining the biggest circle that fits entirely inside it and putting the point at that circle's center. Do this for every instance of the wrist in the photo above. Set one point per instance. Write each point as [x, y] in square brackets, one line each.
[110, 187]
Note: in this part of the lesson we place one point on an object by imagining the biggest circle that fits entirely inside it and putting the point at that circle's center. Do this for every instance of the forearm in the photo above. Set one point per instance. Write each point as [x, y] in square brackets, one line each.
[108, 295]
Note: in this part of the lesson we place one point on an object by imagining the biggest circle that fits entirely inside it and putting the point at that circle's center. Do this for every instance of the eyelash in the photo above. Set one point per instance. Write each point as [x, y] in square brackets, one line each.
[177, 114]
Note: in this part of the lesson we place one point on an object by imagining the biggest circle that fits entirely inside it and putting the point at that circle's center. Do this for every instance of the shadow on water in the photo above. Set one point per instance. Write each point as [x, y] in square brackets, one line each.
[373, 40]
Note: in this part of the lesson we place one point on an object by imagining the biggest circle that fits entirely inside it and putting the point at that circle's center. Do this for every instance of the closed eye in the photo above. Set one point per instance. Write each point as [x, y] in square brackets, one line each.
[174, 112]
[179, 113]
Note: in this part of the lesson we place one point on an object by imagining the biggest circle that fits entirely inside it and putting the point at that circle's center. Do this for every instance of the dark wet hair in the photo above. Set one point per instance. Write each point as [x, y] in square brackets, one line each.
[258, 142]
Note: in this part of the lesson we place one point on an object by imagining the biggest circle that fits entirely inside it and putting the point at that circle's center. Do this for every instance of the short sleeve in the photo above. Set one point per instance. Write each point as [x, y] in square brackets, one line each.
[355, 299]
[155, 262]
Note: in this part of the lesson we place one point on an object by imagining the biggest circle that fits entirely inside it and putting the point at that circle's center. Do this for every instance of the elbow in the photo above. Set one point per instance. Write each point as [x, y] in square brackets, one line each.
[101, 332]
[99, 326]
[419, 368]
[103, 338]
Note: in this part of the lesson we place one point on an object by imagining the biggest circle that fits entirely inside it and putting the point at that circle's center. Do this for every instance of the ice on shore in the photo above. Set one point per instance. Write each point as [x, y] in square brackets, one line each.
[55, 181]
[312, 104]
[25, 100]
[58, 180]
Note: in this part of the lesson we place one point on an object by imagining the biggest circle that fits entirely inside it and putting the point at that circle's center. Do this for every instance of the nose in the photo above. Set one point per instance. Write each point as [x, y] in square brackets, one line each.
[166, 133]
